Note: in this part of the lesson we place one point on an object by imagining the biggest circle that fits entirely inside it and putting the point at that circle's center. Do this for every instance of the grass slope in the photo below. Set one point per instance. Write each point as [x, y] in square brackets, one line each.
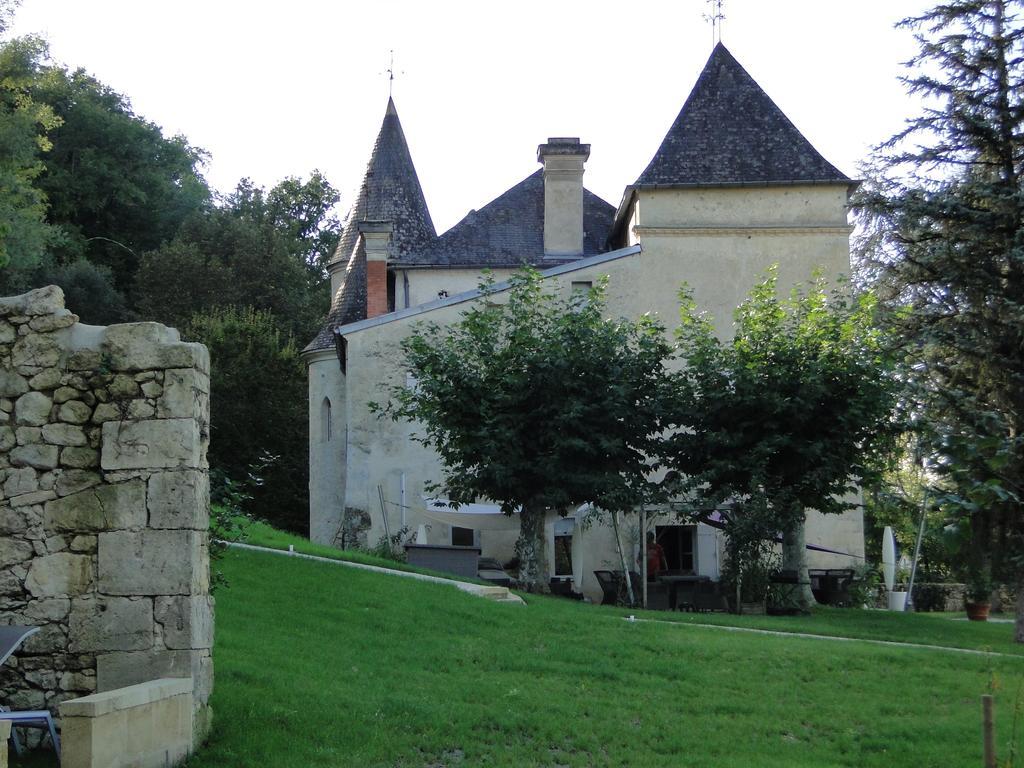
[944, 629]
[263, 535]
[325, 666]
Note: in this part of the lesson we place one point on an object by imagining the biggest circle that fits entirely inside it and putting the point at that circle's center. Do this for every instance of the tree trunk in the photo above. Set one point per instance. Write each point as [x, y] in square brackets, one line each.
[794, 558]
[1018, 626]
[531, 549]
[622, 560]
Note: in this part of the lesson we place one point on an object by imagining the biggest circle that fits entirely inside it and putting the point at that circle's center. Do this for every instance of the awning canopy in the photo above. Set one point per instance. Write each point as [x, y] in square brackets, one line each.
[479, 517]
[715, 521]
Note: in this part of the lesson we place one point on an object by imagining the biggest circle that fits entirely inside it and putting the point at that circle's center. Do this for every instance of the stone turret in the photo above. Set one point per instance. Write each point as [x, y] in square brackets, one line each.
[390, 192]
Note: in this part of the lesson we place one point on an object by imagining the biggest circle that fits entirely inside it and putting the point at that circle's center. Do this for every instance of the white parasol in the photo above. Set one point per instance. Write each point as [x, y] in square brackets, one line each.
[888, 558]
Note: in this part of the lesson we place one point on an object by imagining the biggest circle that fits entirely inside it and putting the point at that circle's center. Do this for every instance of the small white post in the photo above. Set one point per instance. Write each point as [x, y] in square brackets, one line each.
[402, 499]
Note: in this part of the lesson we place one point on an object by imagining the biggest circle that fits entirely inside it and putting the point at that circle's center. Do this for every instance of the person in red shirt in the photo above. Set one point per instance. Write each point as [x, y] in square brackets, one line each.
[656, 562]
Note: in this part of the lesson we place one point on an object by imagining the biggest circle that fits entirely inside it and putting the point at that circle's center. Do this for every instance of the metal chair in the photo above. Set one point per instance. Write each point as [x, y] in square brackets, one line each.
[10, 638]
[30, 719]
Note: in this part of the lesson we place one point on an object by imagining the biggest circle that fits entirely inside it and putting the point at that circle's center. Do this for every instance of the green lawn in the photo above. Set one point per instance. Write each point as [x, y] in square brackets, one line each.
[325, 666]
[947, 629]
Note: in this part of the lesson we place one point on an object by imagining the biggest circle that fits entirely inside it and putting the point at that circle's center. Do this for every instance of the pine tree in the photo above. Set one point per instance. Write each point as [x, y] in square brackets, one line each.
[945, 248]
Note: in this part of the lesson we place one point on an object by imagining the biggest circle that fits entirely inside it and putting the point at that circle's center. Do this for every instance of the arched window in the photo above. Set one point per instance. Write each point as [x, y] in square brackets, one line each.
[325, 420]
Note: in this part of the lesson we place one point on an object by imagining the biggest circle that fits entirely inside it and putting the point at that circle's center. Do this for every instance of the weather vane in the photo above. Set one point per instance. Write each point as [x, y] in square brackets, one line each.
[716, 17]
[390, 72]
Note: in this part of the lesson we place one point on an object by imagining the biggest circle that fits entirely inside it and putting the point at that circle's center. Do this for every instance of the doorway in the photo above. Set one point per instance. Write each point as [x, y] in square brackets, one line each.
[678, 543]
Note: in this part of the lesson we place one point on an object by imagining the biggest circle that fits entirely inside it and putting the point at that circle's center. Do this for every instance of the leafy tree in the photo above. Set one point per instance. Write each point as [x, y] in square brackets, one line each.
[787, 415]
[88, 289]
[258, 411]
[244, 278]
[254, 248]
[24, 127]
[85, 184]
[116, 185]
[945, 249]
[539, 403]
[305, 209]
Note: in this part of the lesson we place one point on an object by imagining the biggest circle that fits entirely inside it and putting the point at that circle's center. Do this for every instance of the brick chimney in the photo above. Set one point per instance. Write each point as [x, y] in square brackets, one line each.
[563, 159]
[376, 238]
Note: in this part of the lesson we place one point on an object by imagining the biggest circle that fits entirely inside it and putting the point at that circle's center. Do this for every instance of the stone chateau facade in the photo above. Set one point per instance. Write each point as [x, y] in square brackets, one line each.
[733, 188]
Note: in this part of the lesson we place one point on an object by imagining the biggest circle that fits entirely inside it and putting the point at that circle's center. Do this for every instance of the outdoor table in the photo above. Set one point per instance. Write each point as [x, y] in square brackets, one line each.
[674, 580]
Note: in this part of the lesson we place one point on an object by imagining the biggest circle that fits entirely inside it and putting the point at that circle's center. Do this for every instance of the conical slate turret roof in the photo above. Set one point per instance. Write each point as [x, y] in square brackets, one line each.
[730, 132]
[390, 192]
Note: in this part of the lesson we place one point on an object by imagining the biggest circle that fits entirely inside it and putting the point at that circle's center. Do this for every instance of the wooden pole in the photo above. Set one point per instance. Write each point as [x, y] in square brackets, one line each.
[643, 550]
[622, 560]
[988, 731]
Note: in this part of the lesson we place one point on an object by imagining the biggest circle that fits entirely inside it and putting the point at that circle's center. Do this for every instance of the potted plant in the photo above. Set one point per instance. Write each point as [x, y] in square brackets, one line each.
[979, 588]
[755, 579]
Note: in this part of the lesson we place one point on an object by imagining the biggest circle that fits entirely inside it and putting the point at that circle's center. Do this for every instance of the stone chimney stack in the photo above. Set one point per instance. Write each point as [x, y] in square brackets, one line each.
[376, 238]
[563, 159]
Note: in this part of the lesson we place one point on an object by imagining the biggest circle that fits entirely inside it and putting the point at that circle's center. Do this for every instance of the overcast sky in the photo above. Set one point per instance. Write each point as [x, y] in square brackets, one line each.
[273, 89]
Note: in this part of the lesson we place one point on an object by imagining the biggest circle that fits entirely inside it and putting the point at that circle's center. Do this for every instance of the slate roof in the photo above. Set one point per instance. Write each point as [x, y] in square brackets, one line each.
[509, 231]
[390, 192]
[730, 132]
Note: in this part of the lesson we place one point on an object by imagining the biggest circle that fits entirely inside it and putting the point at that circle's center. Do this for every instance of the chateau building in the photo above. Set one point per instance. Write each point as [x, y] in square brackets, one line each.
[733, 188]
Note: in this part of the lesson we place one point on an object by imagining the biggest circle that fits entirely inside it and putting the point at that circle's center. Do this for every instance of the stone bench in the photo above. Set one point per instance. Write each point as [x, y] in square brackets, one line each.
[144, 725]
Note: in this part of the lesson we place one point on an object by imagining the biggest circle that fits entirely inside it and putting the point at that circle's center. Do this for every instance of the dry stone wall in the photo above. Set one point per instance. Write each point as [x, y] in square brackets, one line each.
[104, 504]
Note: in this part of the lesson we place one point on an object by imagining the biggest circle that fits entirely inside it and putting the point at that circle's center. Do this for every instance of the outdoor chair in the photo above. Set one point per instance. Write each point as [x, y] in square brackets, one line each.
[832, 587]
[784, 593]
[609, 587]
[10, 638]
[613, 587]
[840, 581]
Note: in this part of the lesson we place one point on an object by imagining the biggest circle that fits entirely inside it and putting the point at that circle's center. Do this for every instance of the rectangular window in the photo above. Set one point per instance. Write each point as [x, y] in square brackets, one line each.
[463, 537]
[677, 541]
[563, 546]
[582, 286]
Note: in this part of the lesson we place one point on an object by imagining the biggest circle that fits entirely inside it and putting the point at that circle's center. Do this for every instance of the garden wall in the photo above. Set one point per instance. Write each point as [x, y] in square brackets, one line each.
[104, 504]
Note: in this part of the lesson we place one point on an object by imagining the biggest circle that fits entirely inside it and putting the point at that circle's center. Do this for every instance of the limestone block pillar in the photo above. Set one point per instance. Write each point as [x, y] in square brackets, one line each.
[104, 504]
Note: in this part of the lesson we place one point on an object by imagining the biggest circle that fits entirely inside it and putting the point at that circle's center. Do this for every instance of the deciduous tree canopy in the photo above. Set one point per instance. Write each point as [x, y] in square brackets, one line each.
[785, 416]
[539, 403]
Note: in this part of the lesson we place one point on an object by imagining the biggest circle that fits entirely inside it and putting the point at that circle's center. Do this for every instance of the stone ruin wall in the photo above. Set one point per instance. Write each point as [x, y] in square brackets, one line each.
[104, 504]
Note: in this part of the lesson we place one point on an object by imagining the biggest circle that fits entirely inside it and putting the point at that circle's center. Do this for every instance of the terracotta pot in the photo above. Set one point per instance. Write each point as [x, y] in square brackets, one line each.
[977, 611]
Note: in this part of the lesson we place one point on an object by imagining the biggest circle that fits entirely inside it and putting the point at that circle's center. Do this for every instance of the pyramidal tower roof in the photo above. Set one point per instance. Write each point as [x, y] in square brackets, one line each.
[730, 132]
[390, 191]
